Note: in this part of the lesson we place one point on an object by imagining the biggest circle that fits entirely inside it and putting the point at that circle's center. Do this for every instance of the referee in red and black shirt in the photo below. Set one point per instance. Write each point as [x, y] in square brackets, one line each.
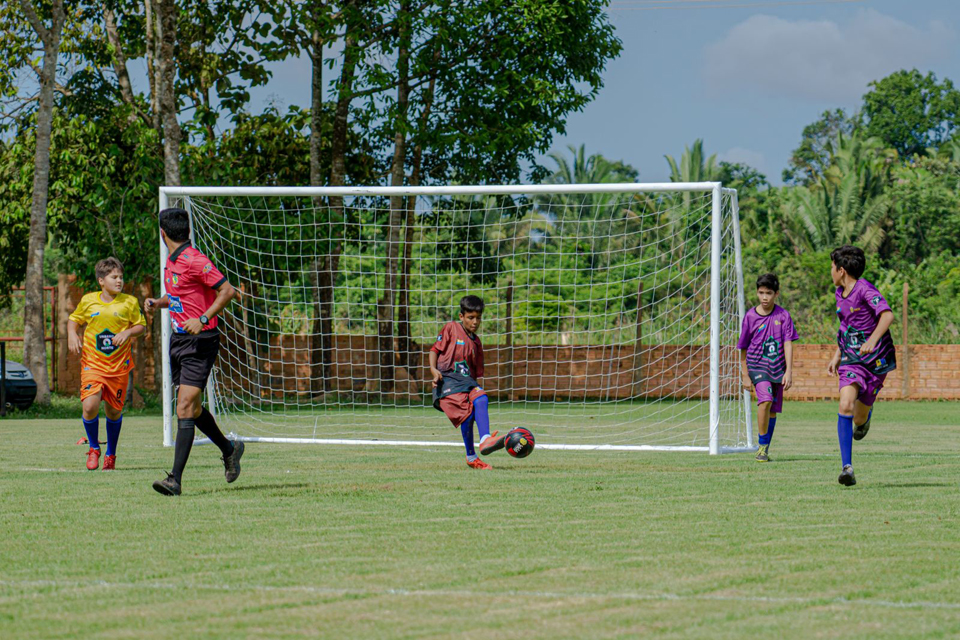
[196, 293]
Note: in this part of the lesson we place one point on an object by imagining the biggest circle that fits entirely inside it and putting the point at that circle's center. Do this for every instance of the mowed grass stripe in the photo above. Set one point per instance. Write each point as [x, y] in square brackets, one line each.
[409, 543]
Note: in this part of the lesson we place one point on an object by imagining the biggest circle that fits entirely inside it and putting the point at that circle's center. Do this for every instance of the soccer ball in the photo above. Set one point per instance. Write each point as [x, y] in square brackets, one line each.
[519, 442]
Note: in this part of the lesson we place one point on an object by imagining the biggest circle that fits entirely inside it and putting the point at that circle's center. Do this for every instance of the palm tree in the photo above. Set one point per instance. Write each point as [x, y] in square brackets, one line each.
[846, 204]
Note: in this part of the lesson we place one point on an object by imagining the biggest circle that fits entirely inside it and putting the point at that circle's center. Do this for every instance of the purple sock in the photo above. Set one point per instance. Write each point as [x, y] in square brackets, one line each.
[845, 435]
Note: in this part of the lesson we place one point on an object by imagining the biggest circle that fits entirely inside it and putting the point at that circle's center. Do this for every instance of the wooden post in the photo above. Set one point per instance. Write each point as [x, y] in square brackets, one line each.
[638, 346]
[905, 343]
[508, 364]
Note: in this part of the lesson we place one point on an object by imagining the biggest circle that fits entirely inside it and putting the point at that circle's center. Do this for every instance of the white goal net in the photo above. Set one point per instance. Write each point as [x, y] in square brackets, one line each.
[612, 311]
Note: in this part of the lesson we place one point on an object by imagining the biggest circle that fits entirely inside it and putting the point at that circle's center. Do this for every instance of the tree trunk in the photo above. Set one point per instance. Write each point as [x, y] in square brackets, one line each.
[410, 355]
[153, 69]
[167, 10]
[120, 63]
[385, 306]
[319, 338]
[330, 262]
[34, 346]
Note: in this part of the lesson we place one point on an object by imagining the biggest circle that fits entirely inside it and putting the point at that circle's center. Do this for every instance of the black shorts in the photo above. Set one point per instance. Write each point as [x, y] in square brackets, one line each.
[192, 357]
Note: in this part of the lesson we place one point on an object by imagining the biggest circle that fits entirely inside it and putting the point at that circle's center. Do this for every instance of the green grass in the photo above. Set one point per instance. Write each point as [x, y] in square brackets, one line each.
[340, 542]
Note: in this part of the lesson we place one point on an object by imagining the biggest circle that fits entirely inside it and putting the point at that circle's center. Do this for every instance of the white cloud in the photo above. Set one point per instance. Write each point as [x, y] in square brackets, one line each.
[821, 60]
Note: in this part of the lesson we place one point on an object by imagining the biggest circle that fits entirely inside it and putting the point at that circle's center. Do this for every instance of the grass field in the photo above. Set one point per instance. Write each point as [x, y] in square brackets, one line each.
[339, 542]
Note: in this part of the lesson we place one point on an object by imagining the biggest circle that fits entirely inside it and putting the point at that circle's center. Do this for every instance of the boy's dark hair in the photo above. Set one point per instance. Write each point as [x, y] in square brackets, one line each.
[471, 303]
[107, 266]
[770, 281]
[850, 259]
[175, 222]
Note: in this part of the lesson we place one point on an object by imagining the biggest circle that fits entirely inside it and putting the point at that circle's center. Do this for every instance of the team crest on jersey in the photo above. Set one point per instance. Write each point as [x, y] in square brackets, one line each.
[776, 323]
[771, 348]
[207, 268]
[875, 300]
[175, 281]
[105, 342]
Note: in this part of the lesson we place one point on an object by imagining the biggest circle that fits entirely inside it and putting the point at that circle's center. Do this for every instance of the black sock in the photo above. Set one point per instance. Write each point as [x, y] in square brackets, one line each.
[185, 434]
[208, 427]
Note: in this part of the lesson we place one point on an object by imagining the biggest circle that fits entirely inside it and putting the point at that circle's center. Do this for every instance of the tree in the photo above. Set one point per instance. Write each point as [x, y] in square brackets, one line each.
[34, 346]
[911, 112]
[812, 157]
[847, 204]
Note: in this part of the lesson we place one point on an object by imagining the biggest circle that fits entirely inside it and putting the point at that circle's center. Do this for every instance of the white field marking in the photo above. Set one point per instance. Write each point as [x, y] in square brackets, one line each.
[468, 593]
[44, 470]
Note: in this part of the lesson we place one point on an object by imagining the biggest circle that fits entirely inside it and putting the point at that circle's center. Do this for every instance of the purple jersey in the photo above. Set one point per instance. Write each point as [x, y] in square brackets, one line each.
[763, 337]
[859, 314]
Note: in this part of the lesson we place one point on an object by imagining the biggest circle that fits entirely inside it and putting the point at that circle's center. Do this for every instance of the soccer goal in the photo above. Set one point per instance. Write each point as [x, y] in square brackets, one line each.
[612, 311]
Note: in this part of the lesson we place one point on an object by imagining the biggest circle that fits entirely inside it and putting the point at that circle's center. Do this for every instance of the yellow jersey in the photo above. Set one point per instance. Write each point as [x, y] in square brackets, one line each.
[104, 320]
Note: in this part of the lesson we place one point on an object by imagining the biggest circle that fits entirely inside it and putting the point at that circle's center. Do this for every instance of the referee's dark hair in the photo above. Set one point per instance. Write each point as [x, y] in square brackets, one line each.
[175, 222]
[471, 303]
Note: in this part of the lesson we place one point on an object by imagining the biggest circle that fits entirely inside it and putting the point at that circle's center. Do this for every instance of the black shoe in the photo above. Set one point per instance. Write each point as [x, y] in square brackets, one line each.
[231, 463]
[847, 478]
[168, 486]
[860, 431]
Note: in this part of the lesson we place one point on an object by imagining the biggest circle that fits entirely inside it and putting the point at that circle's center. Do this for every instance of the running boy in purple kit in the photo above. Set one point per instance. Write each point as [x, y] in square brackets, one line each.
[865, 352]
[766, 357]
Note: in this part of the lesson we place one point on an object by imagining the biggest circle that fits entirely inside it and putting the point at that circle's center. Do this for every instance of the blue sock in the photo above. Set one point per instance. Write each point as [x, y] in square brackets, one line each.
[92, 427]
[845, 435]
[764, 438]
[113, 435]
[482, 416]
[770, 427]
[466, 430]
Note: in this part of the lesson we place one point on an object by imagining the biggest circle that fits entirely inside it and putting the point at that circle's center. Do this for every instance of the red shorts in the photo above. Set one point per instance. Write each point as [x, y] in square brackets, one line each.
[459, 406]
[113, 388]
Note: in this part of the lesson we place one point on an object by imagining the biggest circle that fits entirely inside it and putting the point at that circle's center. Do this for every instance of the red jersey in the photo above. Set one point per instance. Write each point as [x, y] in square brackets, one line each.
[191, 281]
[455, 346]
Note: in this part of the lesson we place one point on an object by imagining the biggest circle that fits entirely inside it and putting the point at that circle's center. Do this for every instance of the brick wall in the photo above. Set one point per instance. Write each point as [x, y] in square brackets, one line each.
[537, 372]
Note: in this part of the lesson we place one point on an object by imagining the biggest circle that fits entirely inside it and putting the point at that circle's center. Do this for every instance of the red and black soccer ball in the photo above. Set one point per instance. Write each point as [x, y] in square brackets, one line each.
[519, 442]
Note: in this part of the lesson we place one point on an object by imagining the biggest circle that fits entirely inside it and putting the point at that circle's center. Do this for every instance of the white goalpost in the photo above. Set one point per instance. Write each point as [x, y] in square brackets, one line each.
[612, 312]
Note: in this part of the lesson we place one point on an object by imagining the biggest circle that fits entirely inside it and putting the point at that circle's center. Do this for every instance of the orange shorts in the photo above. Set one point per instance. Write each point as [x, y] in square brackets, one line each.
[114, 388]
[459, 406]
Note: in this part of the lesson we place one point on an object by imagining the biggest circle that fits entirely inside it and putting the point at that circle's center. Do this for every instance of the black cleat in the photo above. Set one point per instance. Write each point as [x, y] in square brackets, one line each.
[168, 486]
[860, 430]
[847, 478]
[231, 463]
[491, 444]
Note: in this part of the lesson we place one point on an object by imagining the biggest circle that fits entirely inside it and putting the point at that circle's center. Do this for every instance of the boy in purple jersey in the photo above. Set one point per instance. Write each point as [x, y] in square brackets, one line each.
[766, 357]
[865, 352]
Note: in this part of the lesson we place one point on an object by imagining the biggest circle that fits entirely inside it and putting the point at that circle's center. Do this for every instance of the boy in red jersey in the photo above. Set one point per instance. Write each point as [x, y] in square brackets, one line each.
[196, 293]
[456, 364]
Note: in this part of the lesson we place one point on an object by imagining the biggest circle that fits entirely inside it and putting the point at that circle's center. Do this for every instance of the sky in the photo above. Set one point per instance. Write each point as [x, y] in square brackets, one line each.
[744, 75]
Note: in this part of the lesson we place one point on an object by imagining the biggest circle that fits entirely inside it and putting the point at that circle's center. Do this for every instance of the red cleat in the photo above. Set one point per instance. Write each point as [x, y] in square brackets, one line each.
[82, 441]
[491, 444]
[93, 459]
[109, 463]
[478, 464]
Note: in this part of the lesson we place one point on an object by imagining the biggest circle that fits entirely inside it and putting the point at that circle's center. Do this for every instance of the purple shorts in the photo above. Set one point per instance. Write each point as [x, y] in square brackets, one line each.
[869, 383]
[770, 392]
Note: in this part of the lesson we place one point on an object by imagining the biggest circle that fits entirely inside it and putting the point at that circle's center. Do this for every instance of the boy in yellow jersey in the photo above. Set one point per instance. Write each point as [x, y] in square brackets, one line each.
[112, 318]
